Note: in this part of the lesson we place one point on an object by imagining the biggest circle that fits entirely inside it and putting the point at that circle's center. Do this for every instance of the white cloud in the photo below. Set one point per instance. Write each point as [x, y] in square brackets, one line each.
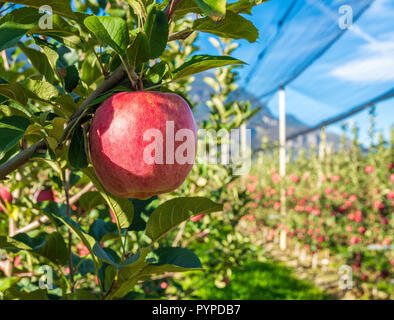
[374, 64]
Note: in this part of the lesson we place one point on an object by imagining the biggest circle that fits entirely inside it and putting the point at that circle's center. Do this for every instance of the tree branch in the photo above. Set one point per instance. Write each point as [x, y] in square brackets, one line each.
[116, 77]
[171, 7]
[37, 223]
[20, 159]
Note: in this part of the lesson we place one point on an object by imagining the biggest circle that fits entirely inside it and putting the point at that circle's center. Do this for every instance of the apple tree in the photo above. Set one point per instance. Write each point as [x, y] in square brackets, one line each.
[61, 62]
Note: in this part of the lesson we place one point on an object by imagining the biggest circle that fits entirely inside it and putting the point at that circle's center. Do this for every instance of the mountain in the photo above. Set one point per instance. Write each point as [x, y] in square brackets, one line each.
[264, 123]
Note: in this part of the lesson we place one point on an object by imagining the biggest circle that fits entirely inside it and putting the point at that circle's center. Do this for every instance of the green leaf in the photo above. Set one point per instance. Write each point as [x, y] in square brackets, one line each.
[24, 15]
[156, 29]
[129, 274]
[87, 240]
[83, 265]
[111, 31]
[39, 61]
[14, 91]
[232, 26]
[171, 213]
[67, 57]
[215, 9]
[244, 6]
[55, 249]
[66, 103]
[145, 207]
[122, 208]
[187, 6]
[11, 33]
[60, 7]
[40, 90]
[6, 283]
[173, 259]
[100, 228]
[91, 200]
[12, 130]
[157, 72]
[61, 31]
[200, 63]
[71, 78]
[76, 153]
[90, 70]
[139, 51]
[50, 246]
[8, 243]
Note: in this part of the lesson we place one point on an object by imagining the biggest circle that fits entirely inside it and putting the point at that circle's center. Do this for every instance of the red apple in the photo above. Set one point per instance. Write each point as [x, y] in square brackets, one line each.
[5, 195]
[45, 195]
[143, 143]
[164, 285]
[369, 169]
[196, 218]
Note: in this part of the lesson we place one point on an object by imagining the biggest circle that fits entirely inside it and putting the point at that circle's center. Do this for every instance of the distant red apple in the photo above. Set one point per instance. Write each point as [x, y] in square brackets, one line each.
[143, 143]
[369, 169]
[5, 194]
[196, 218]
[45, 195]
[164, 285]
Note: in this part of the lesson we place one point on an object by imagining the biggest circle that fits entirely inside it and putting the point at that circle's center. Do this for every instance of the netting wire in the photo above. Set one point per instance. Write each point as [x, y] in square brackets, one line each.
[304, 46]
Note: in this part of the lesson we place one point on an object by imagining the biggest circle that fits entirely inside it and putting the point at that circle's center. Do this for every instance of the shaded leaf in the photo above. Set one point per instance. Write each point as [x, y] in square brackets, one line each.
[76, 153]
[99, 228]
[90, 200]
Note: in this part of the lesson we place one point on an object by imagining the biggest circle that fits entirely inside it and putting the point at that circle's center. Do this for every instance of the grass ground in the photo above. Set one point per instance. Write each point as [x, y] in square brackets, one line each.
[263, 281]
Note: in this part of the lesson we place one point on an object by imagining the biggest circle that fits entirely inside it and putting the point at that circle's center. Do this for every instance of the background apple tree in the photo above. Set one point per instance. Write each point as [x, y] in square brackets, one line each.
[58, 63]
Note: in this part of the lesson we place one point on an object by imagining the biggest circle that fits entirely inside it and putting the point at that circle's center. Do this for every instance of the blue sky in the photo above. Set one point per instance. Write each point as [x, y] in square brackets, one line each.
[357, 68]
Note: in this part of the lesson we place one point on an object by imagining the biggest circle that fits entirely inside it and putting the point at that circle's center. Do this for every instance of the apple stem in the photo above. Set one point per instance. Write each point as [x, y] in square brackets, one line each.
[133, 80]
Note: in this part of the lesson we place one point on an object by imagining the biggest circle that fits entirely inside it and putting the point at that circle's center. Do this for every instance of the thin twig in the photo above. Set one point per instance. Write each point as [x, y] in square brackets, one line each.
[171, 7]
[68, 212]
[104, 72]
[5, 60]
[20, 159]
[179, 234]
[45, 219]
[9, 7]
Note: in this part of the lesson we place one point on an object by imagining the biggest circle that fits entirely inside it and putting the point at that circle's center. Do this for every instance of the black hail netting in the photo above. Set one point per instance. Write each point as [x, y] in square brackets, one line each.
[327, 69]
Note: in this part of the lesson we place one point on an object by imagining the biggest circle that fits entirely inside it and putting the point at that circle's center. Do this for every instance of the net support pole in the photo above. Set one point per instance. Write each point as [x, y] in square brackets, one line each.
[282, 162]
